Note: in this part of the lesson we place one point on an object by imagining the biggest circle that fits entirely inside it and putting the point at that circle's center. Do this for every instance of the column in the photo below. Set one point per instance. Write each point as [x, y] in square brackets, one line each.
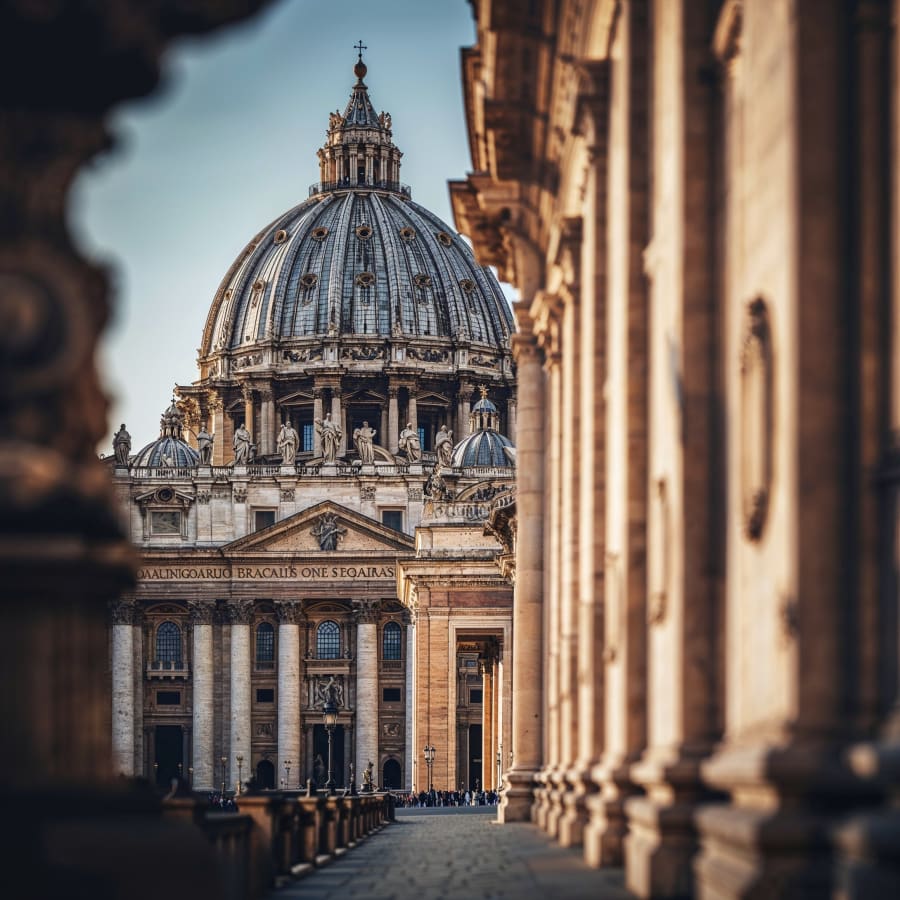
[366, 686]
[317, 414]
[487, 723]
[511, 419]
[527, 663]
[240, 612]
[409, 661]
[495, 721]
[123, 614]
[289, 613]
[337, 418]
[413, 412]
[462, 411]
[249, 422]
[393, 435]
[217, 428]
[267, 422]
[382, 437]
[202, 680]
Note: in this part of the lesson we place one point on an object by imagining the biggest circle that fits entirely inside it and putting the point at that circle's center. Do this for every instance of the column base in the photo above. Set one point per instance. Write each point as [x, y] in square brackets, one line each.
[543, 793]
[516, 796]
[604, 834]
[575, 812]
[773, 841]
[662, 838]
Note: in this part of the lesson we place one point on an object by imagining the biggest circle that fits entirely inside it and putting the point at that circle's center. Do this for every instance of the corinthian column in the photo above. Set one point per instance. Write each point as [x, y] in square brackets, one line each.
[317, 415]
[487, 724]
[239, 613]
[518, 782]
[123, 613]
[393, 435]
[202, 683]
[366, 686]
[289, 613]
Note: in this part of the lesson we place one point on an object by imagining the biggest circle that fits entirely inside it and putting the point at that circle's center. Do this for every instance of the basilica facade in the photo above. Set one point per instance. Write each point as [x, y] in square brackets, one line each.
[313, 519]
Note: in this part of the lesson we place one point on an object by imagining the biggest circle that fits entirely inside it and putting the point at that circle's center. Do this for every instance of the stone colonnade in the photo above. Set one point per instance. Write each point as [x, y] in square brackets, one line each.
[716, 512]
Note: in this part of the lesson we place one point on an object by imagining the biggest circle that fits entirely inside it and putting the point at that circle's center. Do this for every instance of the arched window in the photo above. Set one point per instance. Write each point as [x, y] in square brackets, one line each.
[265, 646]
[328, 641]
[168, 643]
[390, 642]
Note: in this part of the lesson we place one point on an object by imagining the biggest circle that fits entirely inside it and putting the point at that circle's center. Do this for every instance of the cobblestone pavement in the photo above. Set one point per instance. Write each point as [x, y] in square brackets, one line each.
[456, 853]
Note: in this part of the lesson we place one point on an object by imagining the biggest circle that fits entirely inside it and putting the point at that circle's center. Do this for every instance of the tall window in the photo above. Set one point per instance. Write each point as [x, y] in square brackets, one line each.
[307, 432]
[168, 643]
[265, 646]
[328, 641]
[390, 642]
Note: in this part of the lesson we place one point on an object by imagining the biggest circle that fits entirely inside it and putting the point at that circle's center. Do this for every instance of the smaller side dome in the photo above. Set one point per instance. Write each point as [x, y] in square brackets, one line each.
[169, 450]
[484, 446]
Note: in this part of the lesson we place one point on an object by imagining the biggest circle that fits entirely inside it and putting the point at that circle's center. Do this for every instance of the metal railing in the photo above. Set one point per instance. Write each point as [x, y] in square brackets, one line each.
[320, 187]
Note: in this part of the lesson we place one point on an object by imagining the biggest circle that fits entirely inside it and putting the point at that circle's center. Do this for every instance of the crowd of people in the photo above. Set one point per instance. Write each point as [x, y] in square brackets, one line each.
[447, 798]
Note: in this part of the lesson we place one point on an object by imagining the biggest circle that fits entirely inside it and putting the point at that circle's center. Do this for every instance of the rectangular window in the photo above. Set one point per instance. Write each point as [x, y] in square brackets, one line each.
[265, 695]
[263, 518]
[390, 695]
[168, 698]
[393, 518]
[474, 696]
[165, 521]
[307, 432]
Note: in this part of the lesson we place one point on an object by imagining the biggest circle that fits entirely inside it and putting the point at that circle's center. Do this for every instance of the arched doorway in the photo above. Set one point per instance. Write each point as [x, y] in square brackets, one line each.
[390, 775]
[265, 774]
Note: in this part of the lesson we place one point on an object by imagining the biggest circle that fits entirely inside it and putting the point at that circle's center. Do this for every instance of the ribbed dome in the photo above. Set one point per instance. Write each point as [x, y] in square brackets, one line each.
[167, 451]
[357, 262]
[484, 448]
[359, 258]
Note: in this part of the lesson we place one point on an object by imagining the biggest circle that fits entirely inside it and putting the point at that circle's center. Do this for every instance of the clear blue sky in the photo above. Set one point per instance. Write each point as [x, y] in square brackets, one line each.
[230, 143]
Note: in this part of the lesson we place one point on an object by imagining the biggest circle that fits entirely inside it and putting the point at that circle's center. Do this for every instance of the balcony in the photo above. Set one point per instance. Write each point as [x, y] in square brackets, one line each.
[396, 187]
[168, 669]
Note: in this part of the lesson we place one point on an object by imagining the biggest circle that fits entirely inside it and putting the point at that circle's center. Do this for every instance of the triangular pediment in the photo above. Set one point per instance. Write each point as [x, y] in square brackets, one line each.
[307, 532]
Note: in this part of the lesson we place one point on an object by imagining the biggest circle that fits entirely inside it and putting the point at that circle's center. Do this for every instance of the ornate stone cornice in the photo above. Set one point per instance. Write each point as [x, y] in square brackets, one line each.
[289, 612]
[239, 612]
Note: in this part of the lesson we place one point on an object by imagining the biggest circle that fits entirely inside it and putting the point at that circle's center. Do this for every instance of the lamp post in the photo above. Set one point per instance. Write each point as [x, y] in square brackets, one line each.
[499, 764]
[429, 761]
[240, 762]
[329, 714]
[287, 774]
[191, 777]
[223, 760]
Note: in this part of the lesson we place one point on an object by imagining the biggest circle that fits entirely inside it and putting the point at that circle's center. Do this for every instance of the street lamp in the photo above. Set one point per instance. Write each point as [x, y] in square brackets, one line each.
[287, 774]
[499, 764]
[329, 714]
[191, 777]
[240, 762]
[429, 761]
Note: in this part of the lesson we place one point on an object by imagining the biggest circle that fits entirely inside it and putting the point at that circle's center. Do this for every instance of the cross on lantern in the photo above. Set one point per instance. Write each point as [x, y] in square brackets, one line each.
[360, 47]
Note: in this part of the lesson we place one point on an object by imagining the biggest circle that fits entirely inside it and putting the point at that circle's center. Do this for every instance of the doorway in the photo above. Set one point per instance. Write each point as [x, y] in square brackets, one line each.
[474, 756]
[320, 756]
[169, 743]
[390, 775]
[265, 774]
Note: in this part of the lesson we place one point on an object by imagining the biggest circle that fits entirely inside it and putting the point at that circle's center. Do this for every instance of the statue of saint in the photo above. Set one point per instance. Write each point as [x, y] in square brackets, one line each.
[409, 443]
[443, 445]
[363, 438]
[288, 441]
[330, 433]
[328, 531]
[204, 445]
[242, 446]
[122, 445]
[367, 777]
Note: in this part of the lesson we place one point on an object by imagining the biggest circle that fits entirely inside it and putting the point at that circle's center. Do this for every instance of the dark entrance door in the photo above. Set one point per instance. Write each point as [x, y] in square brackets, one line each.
[390, 776]
[265, 774]
[474, 756]
[169, 754]
[320, 751]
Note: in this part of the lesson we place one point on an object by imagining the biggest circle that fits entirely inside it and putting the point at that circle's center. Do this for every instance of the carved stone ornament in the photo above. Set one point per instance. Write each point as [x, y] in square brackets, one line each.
[289, 612]
[287, 495]
[240, 612]
[122, 612]
[756, 419]
[202, 613]
[365, 611]
[367, 492]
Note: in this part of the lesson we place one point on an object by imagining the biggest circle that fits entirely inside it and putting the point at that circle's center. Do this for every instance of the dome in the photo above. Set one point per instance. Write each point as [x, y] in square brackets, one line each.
[358, 258]
[484, 448]
[169, 449]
